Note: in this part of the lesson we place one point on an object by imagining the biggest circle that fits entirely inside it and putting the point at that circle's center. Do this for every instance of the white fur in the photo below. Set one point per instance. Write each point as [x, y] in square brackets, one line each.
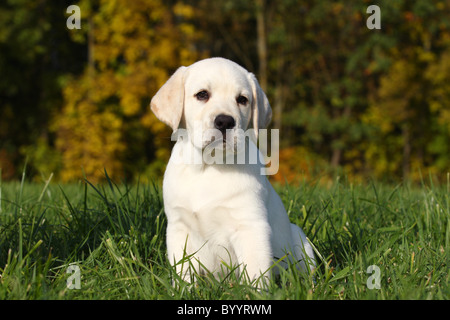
[221, 213]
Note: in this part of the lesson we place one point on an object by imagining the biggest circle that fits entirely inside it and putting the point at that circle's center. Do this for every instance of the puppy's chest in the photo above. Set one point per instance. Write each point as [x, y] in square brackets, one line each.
[209, 197]
[206, 211]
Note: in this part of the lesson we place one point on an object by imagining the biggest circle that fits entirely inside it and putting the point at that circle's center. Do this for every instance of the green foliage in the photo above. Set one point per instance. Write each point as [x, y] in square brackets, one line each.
[404, 110]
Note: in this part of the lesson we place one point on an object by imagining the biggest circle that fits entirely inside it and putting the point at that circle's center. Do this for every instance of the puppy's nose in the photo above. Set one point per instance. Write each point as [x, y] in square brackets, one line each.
[224, 122]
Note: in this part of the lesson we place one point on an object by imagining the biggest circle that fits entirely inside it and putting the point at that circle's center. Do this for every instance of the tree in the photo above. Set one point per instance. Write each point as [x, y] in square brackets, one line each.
[406, 113]
[133, 48]
[35, 53]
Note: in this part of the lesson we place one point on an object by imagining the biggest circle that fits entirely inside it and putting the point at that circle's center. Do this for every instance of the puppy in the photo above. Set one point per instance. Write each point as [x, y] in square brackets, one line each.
[222, 213]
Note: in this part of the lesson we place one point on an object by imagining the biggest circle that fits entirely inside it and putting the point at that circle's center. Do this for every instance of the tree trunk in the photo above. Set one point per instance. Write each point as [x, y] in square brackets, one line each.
[280, 94]
[336, 158]
[90, 49]
[406, 151]
[262, 43]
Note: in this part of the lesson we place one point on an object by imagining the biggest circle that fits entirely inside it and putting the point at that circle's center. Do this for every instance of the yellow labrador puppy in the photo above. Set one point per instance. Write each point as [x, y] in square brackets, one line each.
[221, 212]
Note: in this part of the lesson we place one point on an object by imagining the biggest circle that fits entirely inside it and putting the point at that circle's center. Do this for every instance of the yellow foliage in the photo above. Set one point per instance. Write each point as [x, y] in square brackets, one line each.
[297, 164]
[184, 10]
[439, 75]
[89, 140]
[135, 45]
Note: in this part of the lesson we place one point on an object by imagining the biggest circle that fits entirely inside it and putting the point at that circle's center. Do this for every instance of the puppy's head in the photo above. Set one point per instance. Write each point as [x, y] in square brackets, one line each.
[212, 99]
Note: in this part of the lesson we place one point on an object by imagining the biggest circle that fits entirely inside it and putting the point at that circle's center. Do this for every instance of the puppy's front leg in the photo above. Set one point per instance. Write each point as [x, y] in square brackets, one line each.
[178, 249]
[253, 250]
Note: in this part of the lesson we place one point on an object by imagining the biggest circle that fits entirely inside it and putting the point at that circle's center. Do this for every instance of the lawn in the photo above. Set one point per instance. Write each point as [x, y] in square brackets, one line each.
[376, 241]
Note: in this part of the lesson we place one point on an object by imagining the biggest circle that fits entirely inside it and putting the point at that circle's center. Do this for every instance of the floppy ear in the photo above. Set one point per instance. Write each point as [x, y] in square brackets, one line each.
[261, 110]
[167, 104]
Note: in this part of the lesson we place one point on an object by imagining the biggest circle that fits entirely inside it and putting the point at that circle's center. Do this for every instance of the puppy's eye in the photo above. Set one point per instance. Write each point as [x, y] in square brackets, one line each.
[202, 95]
[242, 100]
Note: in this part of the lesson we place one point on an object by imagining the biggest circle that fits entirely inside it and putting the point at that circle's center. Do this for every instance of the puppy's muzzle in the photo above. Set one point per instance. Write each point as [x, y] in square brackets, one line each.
[223, 123]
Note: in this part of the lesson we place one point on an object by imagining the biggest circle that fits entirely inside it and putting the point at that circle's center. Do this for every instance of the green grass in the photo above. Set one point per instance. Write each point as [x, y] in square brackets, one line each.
[115, 234]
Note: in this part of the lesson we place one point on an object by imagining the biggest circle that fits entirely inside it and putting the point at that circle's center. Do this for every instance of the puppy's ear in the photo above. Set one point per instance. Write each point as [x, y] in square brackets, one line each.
[167, 104]
[261, 110]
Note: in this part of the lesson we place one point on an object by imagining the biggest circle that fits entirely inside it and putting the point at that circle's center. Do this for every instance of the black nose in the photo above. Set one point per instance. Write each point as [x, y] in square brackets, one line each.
[224, 122]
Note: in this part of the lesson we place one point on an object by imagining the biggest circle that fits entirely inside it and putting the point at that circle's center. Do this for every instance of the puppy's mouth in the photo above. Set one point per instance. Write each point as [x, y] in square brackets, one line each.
[223, 142]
